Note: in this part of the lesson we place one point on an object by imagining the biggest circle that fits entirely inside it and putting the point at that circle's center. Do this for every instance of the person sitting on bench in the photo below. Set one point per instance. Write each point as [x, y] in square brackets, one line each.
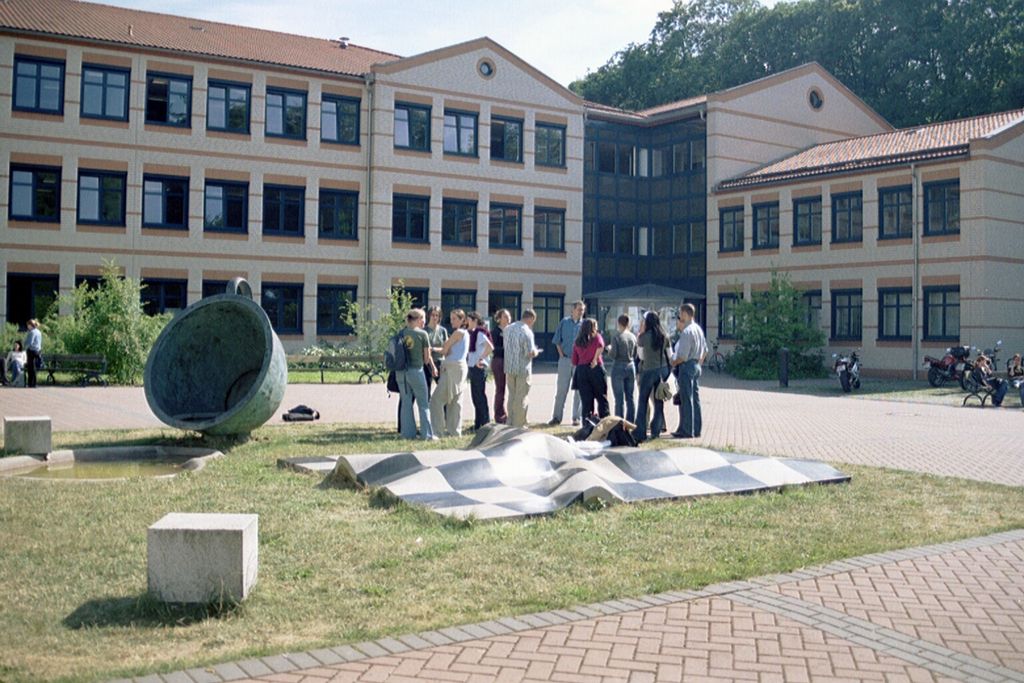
[985, 376]
[15, 363]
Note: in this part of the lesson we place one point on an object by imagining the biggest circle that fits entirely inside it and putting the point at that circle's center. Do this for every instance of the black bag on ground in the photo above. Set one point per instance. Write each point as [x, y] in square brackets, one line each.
[301, 413]
[585, 429]
[620, 436]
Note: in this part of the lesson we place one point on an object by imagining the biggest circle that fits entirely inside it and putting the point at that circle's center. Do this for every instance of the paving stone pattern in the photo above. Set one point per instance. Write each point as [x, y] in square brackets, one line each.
[948, 612]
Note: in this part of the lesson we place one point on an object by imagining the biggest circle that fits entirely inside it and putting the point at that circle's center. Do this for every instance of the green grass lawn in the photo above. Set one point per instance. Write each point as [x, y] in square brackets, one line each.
[334, 569]
[330, 377]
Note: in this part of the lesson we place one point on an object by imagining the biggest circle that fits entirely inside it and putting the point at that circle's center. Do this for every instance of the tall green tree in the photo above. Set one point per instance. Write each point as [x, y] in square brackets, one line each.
[914, 61]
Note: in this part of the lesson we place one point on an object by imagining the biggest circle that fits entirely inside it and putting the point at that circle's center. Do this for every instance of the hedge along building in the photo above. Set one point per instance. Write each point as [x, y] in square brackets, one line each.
[904, 243]
[649, 215]
[193, 151]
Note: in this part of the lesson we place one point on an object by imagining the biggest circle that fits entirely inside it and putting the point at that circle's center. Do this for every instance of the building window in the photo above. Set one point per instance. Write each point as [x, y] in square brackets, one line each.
[410, 218]
[507, 140]
[161, 296]
[412, 127]
[807, 221]
[606, 152]
[283, 305]
[698, 154]
[460, 133]
[165, 202]
[847, 314]
[332, 304]
[286, 114]
[419, 296]
[227, 107]
[895, 319]
[105, 92]
[625, 240]
[35, 194]
[458, 222]
[512, 301]
[169, 100]
[214, 287]
[101, 197]
[812, 308]
[766, 226]
[730, 229]
[549, 145]
[38, 85]
[548, 229]
[30, 296]
[284, 210]
[942, 313]
[339, 120]
[847, 218]
[456, 298]
[505, 224]
[338, 215]
[226, 208]
[727, 315]
[942, 208]
[895, 213]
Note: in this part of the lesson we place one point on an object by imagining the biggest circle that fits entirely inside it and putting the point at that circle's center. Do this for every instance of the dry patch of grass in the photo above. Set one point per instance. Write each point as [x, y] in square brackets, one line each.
[333, 569]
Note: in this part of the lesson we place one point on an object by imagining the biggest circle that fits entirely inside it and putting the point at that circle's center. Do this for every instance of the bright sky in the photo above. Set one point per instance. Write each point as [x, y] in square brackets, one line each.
[562, 38]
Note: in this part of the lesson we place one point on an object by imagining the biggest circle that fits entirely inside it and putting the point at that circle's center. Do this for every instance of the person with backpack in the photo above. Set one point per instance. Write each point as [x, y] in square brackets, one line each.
[446, 402]
[407, 354]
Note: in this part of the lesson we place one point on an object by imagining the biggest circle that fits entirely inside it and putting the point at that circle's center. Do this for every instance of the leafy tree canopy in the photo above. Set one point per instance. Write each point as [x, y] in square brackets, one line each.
[914, 61]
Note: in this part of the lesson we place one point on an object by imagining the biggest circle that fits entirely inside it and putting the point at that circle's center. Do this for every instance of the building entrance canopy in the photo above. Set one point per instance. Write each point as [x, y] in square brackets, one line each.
[636, 300]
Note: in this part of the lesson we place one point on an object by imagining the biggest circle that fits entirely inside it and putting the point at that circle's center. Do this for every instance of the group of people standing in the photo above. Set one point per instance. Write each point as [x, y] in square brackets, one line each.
[649, 356]
[508, 350]
[24, 358]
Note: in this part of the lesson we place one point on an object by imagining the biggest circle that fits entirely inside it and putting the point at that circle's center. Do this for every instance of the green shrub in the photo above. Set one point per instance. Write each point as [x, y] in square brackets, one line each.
[8, 335]
[106, 319]
[373, 327]
[770, 321]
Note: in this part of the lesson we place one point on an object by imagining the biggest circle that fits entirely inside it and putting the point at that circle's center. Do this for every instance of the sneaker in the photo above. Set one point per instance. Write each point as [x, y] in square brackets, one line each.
[554, 423]
[575, 423]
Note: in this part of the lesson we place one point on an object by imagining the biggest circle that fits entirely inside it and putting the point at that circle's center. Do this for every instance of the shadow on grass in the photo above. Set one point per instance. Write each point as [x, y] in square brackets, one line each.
[146, 611]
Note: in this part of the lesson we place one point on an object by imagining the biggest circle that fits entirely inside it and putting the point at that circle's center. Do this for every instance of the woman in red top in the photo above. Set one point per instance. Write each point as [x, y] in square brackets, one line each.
[590, 378]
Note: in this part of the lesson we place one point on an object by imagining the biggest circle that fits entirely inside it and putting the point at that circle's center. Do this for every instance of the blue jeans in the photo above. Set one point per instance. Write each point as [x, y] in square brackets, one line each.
[623, 385]
[565, 372]
[688, 375]
[413, 385]
[649, 380]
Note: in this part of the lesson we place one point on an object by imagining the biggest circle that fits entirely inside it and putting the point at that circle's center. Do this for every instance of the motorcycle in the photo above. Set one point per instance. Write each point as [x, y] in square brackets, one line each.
[848, 370]
[967, 380]
[951, 367]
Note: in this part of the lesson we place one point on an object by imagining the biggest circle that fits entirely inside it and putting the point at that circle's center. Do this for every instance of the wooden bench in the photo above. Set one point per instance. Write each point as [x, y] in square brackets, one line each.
[89, 366]
[370, 367]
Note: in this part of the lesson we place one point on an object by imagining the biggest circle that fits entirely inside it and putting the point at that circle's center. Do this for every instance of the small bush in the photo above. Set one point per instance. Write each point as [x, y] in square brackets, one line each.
[106, 319]
[772, 320]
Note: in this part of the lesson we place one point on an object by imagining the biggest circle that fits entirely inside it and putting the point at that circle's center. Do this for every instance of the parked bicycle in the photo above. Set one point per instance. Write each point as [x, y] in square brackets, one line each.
[717, 360]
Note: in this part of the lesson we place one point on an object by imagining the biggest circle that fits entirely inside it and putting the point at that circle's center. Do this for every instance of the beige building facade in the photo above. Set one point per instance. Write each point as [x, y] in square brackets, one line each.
[321, 171]
[904, 243]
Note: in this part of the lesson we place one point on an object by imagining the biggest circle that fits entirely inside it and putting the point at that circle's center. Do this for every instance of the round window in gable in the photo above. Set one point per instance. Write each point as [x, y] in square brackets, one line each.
[814, 99]
[485, 67]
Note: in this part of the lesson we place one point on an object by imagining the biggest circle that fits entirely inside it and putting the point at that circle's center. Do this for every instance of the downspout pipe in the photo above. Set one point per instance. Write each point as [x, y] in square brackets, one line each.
[370, 79]
[915, 295]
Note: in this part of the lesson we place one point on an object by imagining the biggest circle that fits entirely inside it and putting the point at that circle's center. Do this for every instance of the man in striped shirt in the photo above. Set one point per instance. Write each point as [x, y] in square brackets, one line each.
[520, 350]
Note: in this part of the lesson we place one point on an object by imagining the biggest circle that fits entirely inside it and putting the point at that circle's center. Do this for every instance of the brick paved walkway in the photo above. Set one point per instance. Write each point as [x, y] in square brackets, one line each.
[949, 441]
[953, 611]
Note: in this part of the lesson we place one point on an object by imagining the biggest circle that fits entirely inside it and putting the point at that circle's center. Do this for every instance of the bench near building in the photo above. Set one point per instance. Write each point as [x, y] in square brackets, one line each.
[323, 172]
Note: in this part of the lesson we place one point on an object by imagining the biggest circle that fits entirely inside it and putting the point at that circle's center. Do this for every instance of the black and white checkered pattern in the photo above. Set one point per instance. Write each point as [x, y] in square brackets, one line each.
[508, 472]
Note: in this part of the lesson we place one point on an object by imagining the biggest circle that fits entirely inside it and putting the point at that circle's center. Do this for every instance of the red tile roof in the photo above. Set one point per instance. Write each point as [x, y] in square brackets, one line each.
[934, 141]
[72, 19]
[673, 106]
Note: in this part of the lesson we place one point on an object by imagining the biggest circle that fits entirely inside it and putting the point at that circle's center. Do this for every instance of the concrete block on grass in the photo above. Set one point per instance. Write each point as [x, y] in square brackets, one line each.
[28, 435]
[202, 557]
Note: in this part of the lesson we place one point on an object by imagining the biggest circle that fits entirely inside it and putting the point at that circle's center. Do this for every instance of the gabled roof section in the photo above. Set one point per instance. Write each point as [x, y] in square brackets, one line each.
[654, 115]
[920, 143]
[134, 28]
[484, 42]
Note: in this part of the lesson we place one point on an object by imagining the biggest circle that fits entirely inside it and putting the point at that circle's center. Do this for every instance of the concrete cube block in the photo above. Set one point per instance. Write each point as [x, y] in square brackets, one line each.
[202, 557]
[28, 435]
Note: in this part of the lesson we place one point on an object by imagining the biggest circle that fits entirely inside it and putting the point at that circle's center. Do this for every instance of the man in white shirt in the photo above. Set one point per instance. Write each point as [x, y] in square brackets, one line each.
[690, 350]
[520, 350]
